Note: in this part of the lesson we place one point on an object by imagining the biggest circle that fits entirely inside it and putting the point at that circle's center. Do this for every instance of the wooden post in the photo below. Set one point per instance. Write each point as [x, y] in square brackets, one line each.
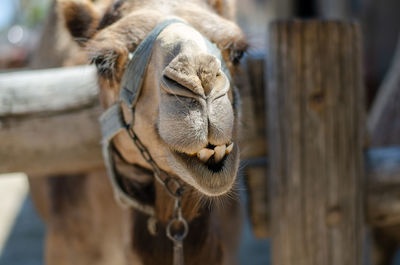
[316, 125]
[251, 85]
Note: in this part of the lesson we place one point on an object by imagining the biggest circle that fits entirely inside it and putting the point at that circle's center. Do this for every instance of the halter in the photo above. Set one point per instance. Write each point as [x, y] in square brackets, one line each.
[113, 122]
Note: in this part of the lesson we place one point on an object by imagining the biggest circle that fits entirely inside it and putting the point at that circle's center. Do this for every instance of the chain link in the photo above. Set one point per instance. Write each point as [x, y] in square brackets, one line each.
[156, 170]
[177, 219]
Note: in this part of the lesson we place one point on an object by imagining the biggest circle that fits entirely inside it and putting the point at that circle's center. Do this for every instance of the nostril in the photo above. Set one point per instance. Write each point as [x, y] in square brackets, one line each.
[182, 79]
[173, 87]
[173, 82]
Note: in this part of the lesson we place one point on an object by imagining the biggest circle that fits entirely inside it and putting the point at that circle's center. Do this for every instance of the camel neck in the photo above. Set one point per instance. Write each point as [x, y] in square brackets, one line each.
[202, 243]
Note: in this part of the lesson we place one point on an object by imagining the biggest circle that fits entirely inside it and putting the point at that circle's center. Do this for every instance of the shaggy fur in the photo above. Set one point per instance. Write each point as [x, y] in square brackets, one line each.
[186, 104]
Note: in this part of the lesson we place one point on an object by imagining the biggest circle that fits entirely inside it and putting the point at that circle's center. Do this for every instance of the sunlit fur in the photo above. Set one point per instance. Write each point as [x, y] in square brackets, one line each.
[185, 115]
[187, 102]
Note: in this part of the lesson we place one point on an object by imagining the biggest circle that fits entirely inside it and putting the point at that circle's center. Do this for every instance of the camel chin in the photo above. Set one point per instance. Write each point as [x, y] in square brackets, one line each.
[211, 172]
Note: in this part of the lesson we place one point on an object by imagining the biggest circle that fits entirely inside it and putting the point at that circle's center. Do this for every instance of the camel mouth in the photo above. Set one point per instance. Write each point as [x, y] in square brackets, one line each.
[213, 165]
[213, 161]
[213, 177]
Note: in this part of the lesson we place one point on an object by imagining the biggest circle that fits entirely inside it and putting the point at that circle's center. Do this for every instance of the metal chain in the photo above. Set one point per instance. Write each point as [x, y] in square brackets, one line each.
[177, 236]
[156, 170]
[177, 219]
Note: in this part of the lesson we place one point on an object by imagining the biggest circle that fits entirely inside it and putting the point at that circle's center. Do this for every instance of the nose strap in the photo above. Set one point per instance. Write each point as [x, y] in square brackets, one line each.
[134, 74]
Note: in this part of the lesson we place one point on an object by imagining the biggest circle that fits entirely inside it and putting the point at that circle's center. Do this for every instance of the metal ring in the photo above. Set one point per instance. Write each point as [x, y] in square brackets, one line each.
[177, 237]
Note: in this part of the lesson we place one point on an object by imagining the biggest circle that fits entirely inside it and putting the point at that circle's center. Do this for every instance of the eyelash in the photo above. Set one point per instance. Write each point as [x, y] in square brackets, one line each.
[102, 66]
[236, 56]
[105, 63]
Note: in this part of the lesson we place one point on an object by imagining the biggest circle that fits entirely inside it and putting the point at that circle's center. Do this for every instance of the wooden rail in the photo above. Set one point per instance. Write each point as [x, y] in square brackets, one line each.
[47, 91]
[49, 121]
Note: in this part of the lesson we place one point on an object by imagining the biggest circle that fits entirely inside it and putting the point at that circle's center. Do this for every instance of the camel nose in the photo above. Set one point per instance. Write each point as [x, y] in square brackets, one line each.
[208, 69]
[200, 74]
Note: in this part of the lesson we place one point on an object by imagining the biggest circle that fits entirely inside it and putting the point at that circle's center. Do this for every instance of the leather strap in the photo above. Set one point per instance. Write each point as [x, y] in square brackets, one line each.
[112, 123]
[132, 79]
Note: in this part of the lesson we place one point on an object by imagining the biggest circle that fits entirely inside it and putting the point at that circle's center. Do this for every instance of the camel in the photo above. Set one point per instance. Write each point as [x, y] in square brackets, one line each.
[187, 117]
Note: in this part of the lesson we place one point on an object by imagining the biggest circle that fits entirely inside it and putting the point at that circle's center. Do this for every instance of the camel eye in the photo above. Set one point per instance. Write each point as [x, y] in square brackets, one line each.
[105, 63]
[99, 62]
[102, 66]
[236, 56]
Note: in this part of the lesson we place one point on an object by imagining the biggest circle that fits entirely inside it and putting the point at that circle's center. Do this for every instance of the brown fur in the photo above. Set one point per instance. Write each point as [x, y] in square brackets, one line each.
[113, 14]
[224, 8]
[126, 29]
[202, 246]
[81, 18]
[85, 225]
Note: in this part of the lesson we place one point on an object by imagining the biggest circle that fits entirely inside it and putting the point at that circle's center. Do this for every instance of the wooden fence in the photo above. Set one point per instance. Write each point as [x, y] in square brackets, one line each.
[321, 180]
[326, 173]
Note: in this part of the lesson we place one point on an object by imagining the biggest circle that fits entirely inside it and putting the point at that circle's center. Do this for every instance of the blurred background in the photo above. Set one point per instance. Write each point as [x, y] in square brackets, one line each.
[21, 25]
[21, 22]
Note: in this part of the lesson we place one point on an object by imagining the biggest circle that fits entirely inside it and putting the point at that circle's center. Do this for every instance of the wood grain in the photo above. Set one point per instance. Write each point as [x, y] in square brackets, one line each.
[316, 125]
[43, 91]
[49, 121]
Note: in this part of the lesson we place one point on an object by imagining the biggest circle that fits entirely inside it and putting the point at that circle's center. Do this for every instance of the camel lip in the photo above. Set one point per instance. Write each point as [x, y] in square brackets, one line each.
[213, 179]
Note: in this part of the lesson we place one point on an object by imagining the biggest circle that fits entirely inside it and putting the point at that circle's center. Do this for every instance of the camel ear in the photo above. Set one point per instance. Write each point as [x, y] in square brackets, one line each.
[224, 8]
[81, 18]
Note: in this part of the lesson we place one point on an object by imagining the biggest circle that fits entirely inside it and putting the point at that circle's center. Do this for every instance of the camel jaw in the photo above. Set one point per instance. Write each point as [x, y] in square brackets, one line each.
[210, 178]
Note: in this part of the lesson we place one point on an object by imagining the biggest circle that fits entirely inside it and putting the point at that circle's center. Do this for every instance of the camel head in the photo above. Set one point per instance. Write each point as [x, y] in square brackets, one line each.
[187, 113]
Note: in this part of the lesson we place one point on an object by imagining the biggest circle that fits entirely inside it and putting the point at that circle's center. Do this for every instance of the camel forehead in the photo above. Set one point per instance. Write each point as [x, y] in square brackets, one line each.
[184, 37]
